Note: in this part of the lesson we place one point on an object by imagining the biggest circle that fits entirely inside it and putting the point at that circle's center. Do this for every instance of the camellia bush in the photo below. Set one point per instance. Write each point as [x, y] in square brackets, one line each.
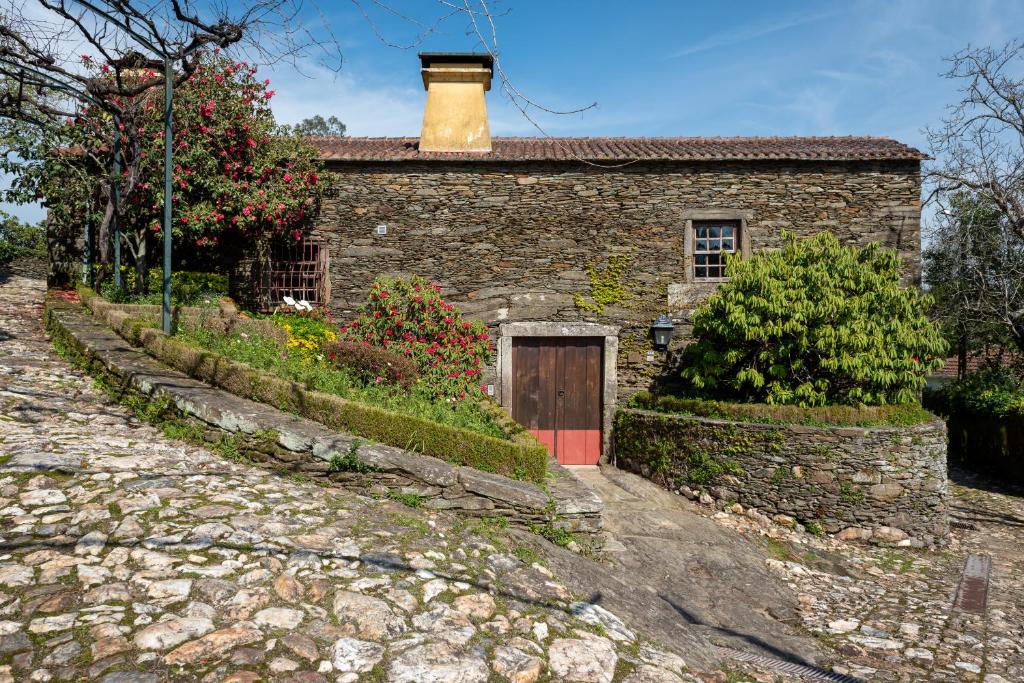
[236, 175]
[410, 318]
[812, 324]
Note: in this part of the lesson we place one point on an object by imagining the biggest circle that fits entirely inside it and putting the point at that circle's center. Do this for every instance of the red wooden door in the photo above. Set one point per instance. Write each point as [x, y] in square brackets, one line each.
[556, 394]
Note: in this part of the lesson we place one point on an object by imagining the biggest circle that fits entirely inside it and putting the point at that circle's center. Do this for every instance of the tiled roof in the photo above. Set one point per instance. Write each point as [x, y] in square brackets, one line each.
[976, 361]
[628, 149]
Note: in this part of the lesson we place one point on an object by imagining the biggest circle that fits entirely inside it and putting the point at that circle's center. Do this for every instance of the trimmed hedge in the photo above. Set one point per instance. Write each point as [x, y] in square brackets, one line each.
[520, 457]
[838, 415]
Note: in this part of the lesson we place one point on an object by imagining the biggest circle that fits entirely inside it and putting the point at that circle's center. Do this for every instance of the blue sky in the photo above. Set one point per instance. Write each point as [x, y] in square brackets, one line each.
[862, 67]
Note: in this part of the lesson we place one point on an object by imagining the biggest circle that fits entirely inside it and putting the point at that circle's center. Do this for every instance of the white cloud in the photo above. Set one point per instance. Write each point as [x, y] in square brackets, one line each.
[366, 109]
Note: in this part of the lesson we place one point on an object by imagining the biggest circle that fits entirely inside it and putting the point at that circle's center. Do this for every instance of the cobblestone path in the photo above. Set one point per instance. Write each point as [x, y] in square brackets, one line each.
[126, 556]
[889, 613]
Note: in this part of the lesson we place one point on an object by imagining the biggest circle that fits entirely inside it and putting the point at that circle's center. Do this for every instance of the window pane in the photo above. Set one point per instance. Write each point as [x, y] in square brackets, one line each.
[700, 259]
[727, 245]
[714, 231]
[702, 245]
[702, 232]
[700, 272]
[727, 230]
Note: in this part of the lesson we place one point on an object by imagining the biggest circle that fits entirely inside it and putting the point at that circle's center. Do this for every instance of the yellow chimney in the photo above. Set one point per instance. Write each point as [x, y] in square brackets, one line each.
[455, 118]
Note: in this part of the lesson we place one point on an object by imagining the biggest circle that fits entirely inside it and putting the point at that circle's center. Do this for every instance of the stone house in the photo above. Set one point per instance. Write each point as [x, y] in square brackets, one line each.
[569, 248]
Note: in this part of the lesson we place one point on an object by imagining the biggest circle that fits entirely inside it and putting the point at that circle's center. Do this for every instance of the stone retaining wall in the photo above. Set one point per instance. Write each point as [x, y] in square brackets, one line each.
[886, 485]
[271, 436]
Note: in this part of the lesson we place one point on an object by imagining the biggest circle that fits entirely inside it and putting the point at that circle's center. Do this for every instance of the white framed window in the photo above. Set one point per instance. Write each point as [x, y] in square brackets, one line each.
[712, 240]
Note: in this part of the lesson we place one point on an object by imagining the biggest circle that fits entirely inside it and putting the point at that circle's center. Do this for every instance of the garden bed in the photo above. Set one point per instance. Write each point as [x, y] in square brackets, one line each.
[474, 433]
[885, 484]
[252, 431]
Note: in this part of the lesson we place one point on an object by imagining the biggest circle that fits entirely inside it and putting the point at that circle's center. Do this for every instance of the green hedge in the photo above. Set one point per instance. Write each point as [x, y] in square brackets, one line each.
[839, 415]
[521, 456]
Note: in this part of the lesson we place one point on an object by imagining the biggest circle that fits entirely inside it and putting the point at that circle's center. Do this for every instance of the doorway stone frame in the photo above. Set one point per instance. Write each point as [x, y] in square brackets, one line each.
[609, 390]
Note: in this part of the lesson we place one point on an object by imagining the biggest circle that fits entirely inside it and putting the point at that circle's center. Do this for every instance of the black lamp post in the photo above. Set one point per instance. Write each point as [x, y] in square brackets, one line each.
[662, 330]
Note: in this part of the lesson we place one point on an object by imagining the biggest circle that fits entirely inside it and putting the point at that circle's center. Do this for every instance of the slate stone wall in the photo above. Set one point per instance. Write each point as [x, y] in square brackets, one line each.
[514, 241]
[884, 485]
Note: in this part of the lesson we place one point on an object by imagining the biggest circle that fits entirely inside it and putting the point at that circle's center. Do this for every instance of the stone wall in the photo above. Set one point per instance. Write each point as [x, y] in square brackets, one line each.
[881, 484]
[514, 241]
[265, 434]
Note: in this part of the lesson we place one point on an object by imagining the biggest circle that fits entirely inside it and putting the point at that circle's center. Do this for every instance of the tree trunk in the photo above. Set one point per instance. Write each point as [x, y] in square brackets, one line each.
[141, 266]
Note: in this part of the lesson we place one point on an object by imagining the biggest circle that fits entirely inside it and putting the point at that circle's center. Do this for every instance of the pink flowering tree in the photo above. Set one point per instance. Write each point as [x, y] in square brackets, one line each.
[410, 318]
[236, 175]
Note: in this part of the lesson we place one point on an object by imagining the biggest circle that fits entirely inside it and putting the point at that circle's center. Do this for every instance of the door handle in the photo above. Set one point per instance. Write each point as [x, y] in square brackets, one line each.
[561, 393]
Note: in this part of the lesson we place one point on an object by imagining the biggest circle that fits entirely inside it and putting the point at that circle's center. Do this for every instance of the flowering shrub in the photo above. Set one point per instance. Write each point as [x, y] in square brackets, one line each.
[372, 364]
[410, 318]
[234, 175]
[308, 331]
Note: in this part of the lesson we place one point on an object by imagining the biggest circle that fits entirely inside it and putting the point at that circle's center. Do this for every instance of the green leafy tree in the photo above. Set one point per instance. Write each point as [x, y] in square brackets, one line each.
[19, 239]
[319, 127]
[812, 324]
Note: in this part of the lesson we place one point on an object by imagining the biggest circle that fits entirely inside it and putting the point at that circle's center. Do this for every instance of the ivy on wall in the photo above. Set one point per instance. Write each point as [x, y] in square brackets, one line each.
[606, 286]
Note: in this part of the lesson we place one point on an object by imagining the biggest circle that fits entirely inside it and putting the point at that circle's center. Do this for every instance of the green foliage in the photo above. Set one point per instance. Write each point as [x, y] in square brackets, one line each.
[19, 239]
[234, 172]
[991, 392]
[560, 536]
[308, 332]
[780, 474]
[813, 324]
[411, 318]
[606, 286]
[905, 414]
[188, 288]
[704, 469]
[851, 493]
[349, 462]
[412, 500]
[814, 528]
[319, 127]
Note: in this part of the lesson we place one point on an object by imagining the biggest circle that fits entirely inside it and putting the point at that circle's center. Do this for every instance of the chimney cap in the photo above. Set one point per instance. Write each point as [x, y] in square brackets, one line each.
[484, 59]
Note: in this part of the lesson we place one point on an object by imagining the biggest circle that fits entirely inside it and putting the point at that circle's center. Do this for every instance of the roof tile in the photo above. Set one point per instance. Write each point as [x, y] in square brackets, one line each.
[628, 149]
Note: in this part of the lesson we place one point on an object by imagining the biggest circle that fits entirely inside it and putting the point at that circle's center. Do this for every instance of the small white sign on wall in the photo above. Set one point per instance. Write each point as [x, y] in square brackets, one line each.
[490, 390]
[382, 228]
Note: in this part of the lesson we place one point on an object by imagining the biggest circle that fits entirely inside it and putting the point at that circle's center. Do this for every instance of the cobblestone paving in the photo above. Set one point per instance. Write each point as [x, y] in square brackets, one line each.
[888, 613]
[126, 556]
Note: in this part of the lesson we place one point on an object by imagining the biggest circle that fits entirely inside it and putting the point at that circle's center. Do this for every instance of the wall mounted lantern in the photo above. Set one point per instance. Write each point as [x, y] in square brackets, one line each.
[662, 329]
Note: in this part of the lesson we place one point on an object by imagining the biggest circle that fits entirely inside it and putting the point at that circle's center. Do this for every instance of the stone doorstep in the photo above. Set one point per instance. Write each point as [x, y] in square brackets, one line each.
[574, 500]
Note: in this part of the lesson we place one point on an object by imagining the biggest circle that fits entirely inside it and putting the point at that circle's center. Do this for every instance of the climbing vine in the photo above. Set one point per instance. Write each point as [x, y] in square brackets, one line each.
[606, 286]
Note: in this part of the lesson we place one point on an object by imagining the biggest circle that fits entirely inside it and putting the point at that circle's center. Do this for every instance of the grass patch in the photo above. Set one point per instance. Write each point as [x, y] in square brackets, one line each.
[780, 550]
[557, 535]
[412, 500]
